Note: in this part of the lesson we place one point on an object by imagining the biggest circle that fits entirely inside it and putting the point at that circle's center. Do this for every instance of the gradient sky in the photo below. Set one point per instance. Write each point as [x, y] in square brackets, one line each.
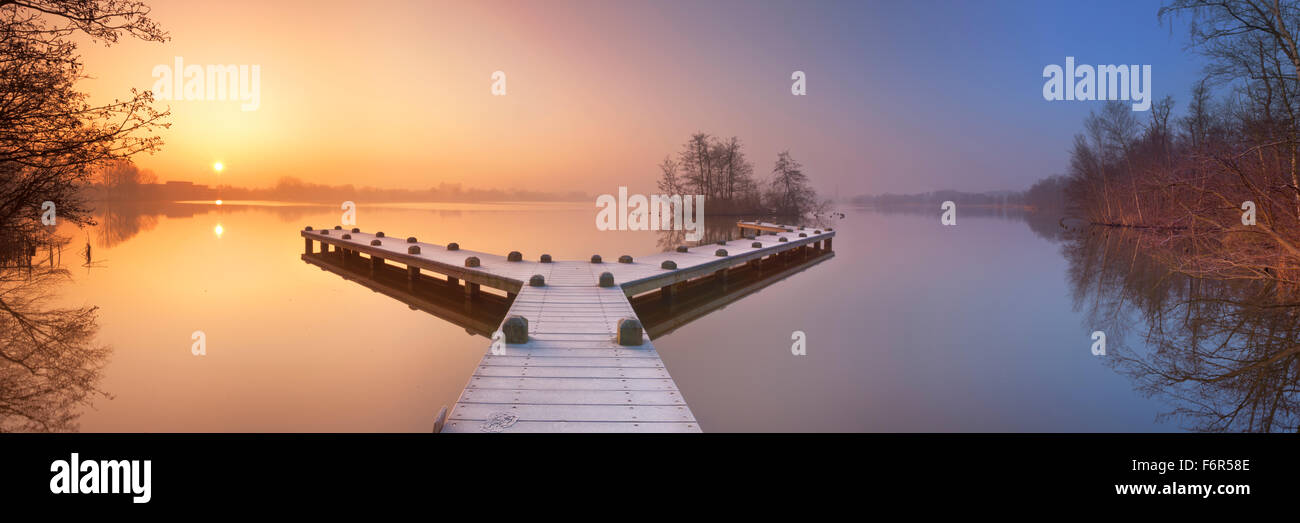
[902, 96]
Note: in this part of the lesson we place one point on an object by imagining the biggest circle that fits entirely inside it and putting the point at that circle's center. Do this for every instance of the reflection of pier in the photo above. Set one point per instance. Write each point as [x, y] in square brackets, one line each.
[479, 316]
[710, 293]
[574, 357]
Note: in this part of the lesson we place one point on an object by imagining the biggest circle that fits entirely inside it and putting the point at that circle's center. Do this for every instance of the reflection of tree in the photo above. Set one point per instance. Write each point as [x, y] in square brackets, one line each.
[50, 365]
[120, 223]
[1225, 353]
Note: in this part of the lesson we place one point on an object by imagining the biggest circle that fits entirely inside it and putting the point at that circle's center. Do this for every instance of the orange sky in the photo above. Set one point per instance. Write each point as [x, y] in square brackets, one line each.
[398, 95]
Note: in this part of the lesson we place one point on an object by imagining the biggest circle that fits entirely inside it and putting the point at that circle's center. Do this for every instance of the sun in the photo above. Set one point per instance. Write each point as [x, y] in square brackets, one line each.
[218, 166]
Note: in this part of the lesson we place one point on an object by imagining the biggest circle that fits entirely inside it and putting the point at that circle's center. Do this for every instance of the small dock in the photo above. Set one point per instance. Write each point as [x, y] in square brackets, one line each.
[575, 356]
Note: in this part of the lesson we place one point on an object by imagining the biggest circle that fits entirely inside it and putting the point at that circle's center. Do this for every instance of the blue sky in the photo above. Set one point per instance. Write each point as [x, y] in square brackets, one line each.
[966, 77]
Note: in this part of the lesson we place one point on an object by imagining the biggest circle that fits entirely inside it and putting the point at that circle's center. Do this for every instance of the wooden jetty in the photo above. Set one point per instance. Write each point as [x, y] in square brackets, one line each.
[574, 357]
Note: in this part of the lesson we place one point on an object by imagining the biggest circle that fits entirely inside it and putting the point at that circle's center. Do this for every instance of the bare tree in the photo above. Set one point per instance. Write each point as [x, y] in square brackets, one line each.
[790, 193]
[669, 182]
[51, 138]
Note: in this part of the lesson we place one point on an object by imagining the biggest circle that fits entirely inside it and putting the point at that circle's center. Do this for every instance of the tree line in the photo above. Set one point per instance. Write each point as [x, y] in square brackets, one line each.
[1219, 187]
[1044, 196]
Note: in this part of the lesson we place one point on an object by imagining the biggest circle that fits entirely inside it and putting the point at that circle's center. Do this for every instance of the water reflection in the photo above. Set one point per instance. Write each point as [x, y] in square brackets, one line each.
[1048, 226]
[50, 364]
[1223, 354]
[120, 221]
[661, 317]
[480, 315]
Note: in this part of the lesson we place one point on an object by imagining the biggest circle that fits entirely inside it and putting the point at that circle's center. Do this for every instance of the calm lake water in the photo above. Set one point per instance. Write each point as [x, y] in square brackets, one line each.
[911, 326]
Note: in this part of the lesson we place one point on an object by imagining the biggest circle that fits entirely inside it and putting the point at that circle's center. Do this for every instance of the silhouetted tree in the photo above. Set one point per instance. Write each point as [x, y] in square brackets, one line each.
[789, 192]
[51, 139]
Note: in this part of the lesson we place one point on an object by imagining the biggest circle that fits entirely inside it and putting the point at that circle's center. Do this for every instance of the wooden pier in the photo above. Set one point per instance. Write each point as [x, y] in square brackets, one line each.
[575, 357]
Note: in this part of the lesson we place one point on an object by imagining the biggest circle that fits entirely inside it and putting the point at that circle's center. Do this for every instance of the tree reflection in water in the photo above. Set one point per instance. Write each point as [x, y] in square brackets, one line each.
[50, 365]
[1224, 353]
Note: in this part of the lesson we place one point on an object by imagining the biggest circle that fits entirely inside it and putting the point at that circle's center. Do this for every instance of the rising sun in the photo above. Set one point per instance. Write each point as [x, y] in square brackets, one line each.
[218, 166]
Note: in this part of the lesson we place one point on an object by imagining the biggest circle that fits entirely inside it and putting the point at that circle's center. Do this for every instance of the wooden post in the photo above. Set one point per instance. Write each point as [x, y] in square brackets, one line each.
[440, 420]
[828, 244]
[375, 264]
[308, 248]
[454, 282]
[412, 276]
[666, 293]
[471, 290]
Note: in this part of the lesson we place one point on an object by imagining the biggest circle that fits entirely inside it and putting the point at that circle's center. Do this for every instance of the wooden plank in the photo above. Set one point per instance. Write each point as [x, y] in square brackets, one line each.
[476, 426]
[569, 413]
[554, 371]
[560, 361]
[489, 382]
[573, 397]
[763, 227]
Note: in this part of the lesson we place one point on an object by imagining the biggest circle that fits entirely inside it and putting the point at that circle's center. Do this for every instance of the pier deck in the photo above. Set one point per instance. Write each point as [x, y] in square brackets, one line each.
[572, 374]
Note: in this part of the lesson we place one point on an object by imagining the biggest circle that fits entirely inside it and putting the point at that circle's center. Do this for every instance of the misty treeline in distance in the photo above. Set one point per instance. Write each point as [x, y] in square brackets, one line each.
[124, 181]
[52, 142]
[719, 170]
